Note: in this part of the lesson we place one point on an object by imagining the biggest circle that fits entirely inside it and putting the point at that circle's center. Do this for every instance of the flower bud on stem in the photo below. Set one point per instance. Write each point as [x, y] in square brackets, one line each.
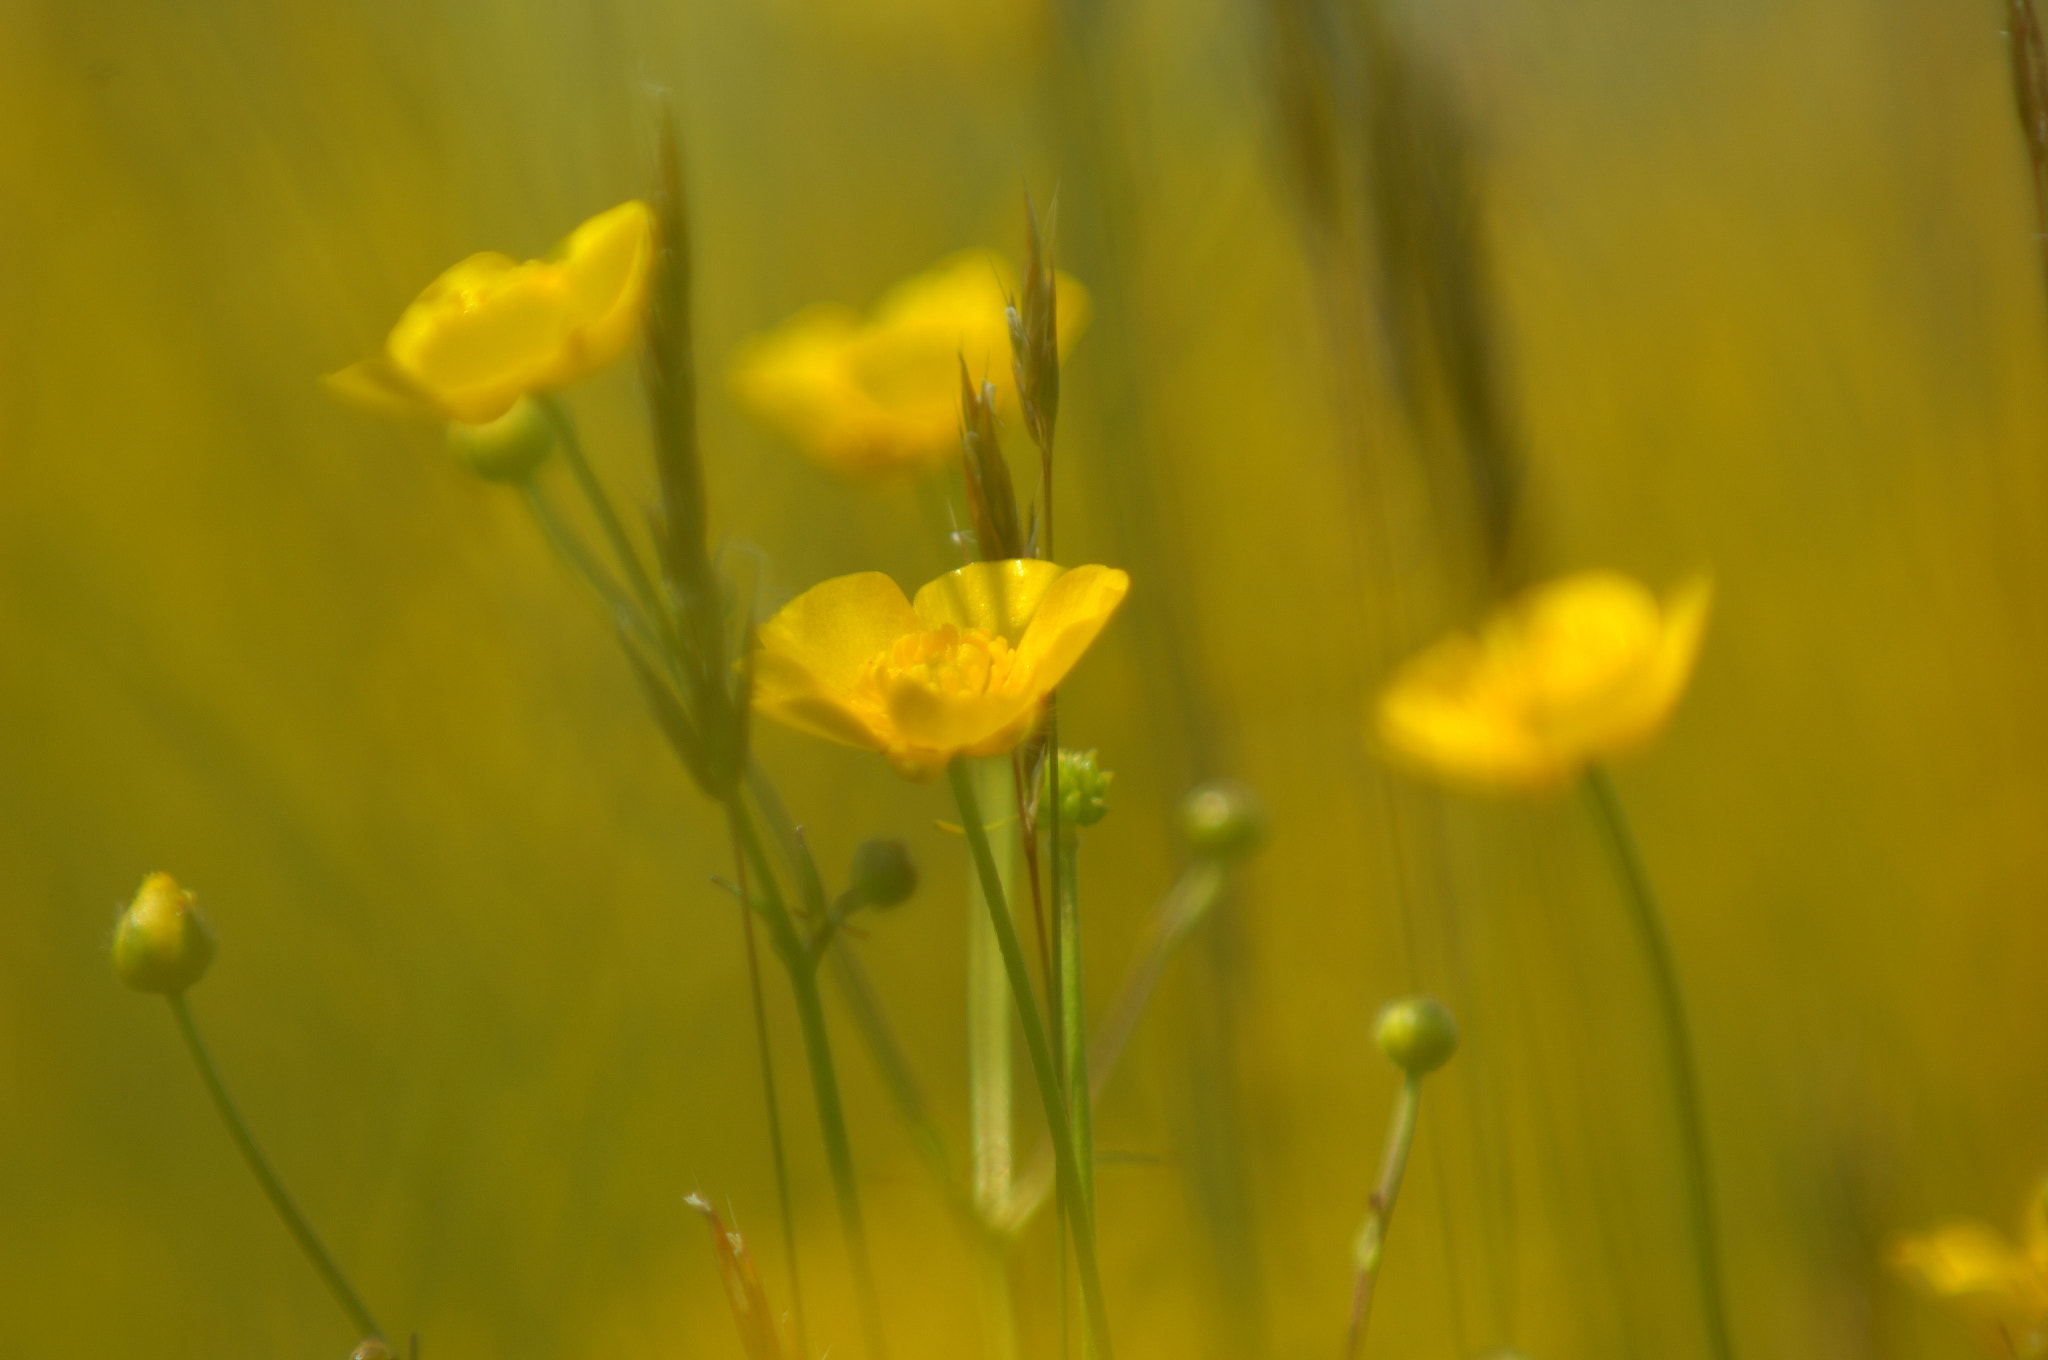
[1418, 1036]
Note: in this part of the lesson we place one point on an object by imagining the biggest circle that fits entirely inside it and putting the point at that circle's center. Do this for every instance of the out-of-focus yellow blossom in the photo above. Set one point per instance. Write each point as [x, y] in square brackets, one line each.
[2002, 1291]
[964, 670]
[493, 329]
[1575, 670]
[869, 398]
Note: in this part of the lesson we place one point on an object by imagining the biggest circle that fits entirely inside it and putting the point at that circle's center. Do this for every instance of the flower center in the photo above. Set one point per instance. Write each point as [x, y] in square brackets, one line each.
[949, 662]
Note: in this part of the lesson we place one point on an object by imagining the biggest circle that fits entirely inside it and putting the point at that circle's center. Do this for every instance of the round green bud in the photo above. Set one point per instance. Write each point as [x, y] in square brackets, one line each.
[1223, 819]
[882, 875]
[161, 943]
[1084, 788]
[508, 449]
[1417, 1034]
[372, 1349]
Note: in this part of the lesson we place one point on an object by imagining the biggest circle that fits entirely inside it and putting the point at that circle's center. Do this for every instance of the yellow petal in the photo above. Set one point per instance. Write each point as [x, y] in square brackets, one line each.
[603, 269]
[934, 721]
[786, 692]
[1973, 1267]
[1075, 309]
[483, 334]
[831, 631]
[1441, 713]
[375, 385]
[1072, 613]
[1001, 597]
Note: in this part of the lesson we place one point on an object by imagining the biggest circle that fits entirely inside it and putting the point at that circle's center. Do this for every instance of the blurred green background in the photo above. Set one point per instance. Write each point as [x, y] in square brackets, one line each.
[1763, 294]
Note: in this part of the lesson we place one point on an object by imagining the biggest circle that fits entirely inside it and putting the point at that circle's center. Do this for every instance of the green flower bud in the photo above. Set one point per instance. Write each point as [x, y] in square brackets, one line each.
[508, 449]
[1084, 788]
[882, 875]
[1417, 1034]
[1223, 819]
[161, 943]
[372, 1349]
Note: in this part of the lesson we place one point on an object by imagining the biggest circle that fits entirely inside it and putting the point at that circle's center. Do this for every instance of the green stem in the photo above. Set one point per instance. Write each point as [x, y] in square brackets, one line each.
[768, 1092]
[1184, 907]
[990, 1072]
[1369, 1247]
[838, 1150]
[798, 963]
[280, 1199]
[607, 517]
[857, 991]
[1079, 1221]
[1684, 1066]
[1073, 1011]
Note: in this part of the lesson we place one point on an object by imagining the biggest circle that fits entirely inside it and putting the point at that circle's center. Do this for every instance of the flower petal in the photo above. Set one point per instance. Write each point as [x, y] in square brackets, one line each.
[833, 630]
[603, 268]
[375, 385]
[1640, 716]
[1440, 714]
[482, 335]
[1002, 597]
[1071, 614]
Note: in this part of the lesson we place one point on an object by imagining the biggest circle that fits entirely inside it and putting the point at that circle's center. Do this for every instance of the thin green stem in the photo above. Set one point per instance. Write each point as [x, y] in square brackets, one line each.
[768, 1092]
[607, 517]
[810, 1011]
[990, 1068]
[1074, 1017]
[801, 967]
[1079, 1221]
[1184, 907]
[571, 550]
[1370, 1245]
[280, 1199]
[1684, 1065]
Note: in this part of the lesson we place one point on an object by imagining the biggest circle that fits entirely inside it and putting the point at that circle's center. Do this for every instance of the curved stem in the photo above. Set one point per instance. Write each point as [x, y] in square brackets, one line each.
[608, 518]
[798, 963]
[761, 1046]
[1370, 1246]
[1080, 1222]
[1685, 1077]
[280, 1199]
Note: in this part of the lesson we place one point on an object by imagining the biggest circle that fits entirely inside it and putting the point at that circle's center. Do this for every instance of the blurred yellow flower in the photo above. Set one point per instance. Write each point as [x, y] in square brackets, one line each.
[870, 398]
[1575, 670]
[2002, 1291]
[962, 671]
[492, 329]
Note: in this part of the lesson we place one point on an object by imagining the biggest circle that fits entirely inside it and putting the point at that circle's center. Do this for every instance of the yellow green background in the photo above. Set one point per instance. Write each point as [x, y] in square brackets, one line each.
[1770, 299]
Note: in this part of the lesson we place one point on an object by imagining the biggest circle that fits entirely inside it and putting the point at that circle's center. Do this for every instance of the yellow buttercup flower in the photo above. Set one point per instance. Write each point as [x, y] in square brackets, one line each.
[2002, 1291]
[869, 398]
[963, 670]
[493, 329]
[1576, 670]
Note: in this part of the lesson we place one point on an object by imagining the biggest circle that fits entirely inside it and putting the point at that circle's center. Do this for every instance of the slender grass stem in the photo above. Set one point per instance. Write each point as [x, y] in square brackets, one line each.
[1079, 1222]
[280, 1198]
[571, 550]
[801, 967]
[768, 1092]
[1684, 1065]
[1074, 1017]
[608, 519]
[1369, 1248]
[990, 1065]
[1185, 905]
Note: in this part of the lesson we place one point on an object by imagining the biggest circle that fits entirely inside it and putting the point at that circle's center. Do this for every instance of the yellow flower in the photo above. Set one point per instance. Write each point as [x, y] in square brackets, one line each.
[2002, 1291]
[962, 671]
[871, 398]
[492, 329]
[1576, 670]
